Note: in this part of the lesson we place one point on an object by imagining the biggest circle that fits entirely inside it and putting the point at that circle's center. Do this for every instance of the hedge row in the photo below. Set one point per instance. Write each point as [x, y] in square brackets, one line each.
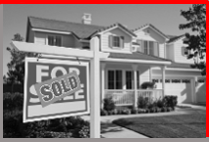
[57, 128]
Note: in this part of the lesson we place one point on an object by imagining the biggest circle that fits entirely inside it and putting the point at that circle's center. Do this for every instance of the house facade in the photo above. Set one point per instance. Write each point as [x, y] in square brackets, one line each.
[135, 56]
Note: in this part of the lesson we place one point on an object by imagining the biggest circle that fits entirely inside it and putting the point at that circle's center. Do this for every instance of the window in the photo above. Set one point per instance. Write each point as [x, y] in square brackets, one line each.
[54, 40]
[129, 75]
[201, 80]
[114, 79]
[176, 81]
[185, 51]
[146, 47]
[185, 81]
[155, 80]
[116, 41]
[167, 81]
[150, 47]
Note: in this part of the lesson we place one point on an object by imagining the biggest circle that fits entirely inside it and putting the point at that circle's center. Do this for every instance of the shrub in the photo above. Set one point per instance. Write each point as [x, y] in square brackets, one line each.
[109, 104]
[12, 101]
[143, 102]
[103, 112]
[160, 103]
[147, 85]
[134, 111]
[126, 111]
[170, 101]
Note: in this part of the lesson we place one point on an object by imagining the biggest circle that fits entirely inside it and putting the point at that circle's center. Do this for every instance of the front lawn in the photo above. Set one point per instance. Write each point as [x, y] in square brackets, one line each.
[192, 125]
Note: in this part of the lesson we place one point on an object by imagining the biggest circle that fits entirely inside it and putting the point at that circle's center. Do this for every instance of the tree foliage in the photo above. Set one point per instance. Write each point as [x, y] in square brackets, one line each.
[196, 17]
[16, 65]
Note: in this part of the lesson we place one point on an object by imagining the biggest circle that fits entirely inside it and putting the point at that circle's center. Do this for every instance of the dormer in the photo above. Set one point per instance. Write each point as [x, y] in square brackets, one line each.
[151, 41]
[116, 38]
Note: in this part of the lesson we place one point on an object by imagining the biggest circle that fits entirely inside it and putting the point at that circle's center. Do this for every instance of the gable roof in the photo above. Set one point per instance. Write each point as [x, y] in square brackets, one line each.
[116, 25]
[80, 30]
[173, 39]
[150, 25]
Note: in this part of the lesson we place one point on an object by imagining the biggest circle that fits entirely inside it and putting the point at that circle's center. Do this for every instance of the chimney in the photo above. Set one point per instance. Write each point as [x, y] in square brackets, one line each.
[86, 19]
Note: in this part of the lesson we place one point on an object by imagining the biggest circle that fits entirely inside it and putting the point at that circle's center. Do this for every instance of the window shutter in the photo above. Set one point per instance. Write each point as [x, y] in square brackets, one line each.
[122, 42]
[156, 49]
[141, 43]
[184, 51]
[110, 41]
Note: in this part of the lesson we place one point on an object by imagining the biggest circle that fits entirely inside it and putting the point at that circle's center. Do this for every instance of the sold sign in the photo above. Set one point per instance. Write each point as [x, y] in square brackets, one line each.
[55, 89]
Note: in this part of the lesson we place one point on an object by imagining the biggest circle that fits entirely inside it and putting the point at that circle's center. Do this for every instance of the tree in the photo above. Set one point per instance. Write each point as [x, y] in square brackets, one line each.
[16, 65]
[196, 17]
[4, 79]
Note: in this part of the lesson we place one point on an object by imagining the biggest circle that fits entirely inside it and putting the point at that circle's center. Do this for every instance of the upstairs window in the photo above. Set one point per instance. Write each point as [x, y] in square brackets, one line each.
[149, 47]
[54, 40]
[116, 41]
[185, 51]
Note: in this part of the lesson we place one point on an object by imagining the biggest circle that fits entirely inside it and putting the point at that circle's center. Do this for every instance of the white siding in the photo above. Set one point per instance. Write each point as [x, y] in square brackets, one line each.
[116, 32]
[170, 52]
[178, 53]
[144, 74]
[40, 38]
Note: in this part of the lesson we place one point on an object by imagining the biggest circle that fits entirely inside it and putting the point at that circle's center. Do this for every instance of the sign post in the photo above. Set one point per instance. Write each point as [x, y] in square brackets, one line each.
[95, 89]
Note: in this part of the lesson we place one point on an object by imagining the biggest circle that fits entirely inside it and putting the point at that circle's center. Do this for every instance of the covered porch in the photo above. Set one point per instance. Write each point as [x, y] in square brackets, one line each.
[123, 74]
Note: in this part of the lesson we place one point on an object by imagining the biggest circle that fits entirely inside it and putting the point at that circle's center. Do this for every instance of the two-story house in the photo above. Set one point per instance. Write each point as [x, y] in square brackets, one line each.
[135, 56]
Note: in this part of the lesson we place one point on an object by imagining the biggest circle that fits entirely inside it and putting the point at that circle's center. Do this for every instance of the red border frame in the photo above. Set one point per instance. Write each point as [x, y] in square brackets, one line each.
[127, 2]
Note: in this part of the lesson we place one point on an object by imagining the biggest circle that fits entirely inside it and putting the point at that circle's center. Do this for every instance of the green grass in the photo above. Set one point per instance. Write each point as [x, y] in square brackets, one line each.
[192, 125]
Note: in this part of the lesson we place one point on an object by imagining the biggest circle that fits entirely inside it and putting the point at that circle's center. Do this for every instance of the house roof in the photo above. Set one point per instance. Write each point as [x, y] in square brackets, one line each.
[179, 65]
[82, 31]
[173, 39]
[150, 25]
[136, 56]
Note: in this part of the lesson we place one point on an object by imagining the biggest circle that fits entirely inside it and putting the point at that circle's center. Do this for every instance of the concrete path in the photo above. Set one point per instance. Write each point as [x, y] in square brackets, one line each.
[110, 130]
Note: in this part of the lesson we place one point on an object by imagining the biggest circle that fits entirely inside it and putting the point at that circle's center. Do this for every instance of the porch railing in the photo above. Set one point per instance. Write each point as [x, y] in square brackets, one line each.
[121, 97]
[126, 97]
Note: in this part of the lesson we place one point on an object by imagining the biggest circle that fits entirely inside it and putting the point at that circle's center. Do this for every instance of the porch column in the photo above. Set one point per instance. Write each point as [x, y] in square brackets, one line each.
[163, 80]
[135, 84]
[102, 83]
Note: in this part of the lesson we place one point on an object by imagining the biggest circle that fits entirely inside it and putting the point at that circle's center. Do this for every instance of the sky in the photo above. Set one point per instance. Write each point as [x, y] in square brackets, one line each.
[166, 17]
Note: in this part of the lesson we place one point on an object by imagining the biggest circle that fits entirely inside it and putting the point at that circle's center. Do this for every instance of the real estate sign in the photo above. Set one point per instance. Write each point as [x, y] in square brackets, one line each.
[55, 88]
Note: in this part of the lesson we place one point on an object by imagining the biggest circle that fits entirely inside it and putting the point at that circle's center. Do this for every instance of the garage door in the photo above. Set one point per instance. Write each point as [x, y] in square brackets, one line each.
[177, 87]
[201, 91]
